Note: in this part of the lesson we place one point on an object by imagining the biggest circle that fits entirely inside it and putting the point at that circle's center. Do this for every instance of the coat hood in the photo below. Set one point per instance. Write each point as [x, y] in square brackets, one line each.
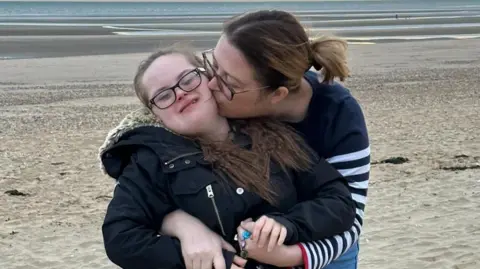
[140, 129]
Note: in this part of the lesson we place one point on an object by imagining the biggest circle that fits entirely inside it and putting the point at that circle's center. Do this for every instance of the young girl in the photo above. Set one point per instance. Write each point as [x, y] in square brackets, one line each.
[178, 153]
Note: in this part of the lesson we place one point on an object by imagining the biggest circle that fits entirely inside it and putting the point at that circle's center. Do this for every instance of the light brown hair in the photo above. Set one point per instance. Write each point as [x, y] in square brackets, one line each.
[271, 140]
[278, 48]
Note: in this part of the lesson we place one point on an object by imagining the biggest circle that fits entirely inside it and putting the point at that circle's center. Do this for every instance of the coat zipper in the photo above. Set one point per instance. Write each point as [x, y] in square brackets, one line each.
[211, 196]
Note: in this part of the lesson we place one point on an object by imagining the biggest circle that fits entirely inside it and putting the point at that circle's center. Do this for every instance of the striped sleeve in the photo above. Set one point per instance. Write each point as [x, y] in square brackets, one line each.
[350, 155]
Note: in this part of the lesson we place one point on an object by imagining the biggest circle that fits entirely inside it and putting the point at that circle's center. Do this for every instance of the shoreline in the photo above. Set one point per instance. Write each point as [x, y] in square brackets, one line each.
[86, 29]
[26, 47]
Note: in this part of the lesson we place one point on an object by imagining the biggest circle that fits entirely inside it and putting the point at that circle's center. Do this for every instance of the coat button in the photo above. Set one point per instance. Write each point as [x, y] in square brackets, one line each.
[171, 166]
[187, 161]
[240, 191]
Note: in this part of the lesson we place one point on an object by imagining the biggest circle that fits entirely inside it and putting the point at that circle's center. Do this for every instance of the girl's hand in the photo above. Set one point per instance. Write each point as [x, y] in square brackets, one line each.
[265, 231]
[238, 263]
[201, 247]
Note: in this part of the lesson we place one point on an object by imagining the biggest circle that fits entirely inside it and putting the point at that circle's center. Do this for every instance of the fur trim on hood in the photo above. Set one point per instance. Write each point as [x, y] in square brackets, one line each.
[139, 118]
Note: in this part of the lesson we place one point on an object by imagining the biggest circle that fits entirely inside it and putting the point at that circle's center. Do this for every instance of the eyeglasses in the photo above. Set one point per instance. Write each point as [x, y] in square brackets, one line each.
[227, 90]
[187, 83]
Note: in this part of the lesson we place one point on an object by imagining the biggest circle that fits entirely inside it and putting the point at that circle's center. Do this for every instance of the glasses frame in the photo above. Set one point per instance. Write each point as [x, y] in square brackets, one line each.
[198, 70]
[208, 66]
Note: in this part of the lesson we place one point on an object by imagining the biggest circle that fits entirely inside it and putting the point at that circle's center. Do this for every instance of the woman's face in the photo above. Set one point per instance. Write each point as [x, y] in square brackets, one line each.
[237, 74]
[186, 111]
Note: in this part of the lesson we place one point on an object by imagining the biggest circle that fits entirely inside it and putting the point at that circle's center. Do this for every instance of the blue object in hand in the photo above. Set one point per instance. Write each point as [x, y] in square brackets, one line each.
[246, 235]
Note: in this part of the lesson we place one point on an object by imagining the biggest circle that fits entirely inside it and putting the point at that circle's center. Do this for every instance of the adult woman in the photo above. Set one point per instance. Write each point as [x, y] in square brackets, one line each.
[260, 67]
[179, 153]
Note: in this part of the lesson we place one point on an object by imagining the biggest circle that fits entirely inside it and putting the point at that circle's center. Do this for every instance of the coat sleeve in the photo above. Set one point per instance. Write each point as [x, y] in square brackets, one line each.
[131, 223]
[325, 209]
[133, 219]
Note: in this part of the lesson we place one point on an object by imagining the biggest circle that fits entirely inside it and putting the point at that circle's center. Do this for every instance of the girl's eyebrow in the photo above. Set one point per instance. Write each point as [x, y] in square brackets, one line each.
[179, 76]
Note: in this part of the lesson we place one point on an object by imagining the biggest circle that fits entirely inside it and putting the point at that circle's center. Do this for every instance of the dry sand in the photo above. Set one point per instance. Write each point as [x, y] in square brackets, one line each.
[421, 100]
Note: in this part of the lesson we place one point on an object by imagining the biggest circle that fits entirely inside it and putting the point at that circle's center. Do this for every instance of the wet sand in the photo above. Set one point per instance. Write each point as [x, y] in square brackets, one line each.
[421, 101]
[61, 36]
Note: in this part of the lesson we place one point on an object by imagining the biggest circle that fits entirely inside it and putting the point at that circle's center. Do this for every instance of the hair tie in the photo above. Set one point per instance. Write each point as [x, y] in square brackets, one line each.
[315, 64]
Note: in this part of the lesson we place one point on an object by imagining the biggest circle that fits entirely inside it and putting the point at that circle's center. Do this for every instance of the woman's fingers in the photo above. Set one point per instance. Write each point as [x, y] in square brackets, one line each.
[274, 236]
[248, 220]
[283, 236]
[266, 232]
[249, 226]
[257, 229]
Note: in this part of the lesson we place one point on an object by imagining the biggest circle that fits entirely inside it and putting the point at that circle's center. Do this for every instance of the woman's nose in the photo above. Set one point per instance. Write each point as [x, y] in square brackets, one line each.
[213, 84]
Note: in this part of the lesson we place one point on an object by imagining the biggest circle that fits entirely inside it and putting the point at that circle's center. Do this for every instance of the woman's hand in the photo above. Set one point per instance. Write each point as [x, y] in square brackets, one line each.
[279, 256]
[201, 247]
[265, 231]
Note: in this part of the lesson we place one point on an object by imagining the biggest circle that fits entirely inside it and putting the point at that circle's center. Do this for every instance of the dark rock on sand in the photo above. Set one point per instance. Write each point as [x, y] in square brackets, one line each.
[16, 193]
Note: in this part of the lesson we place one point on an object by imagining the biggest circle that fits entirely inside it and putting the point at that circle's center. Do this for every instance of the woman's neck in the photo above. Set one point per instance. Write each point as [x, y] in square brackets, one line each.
[294, 107]
[217, 130]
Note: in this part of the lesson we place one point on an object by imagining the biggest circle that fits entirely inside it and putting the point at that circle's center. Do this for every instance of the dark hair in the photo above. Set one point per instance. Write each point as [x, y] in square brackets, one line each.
[248, 168]
[277, 46]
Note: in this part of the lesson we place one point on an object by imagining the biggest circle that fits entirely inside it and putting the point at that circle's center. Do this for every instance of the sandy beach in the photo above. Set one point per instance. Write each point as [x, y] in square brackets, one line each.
[421, 100]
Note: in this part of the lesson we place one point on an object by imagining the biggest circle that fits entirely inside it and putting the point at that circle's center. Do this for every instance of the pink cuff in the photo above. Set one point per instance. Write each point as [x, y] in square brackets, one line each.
[304, 256]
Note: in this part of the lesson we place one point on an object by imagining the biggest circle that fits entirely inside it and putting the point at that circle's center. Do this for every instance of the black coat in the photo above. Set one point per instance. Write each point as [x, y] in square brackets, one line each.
[158, 172]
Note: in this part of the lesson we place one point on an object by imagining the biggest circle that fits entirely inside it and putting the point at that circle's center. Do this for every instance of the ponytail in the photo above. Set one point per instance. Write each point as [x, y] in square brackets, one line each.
[329, 54]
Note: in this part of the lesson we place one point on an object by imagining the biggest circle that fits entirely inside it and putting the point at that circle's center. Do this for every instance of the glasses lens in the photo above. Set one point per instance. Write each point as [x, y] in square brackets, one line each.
[190, 81]
[165, 99]
[211, 70]
[208, 67]
[225, 90]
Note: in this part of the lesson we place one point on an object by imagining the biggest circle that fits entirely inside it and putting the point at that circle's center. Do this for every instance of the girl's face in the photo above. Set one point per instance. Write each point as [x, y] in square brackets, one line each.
[179, 95]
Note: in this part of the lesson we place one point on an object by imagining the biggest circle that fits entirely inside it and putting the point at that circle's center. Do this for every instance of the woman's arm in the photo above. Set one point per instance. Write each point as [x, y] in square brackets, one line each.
[348, 152]
[325, 209]
[315, 254]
